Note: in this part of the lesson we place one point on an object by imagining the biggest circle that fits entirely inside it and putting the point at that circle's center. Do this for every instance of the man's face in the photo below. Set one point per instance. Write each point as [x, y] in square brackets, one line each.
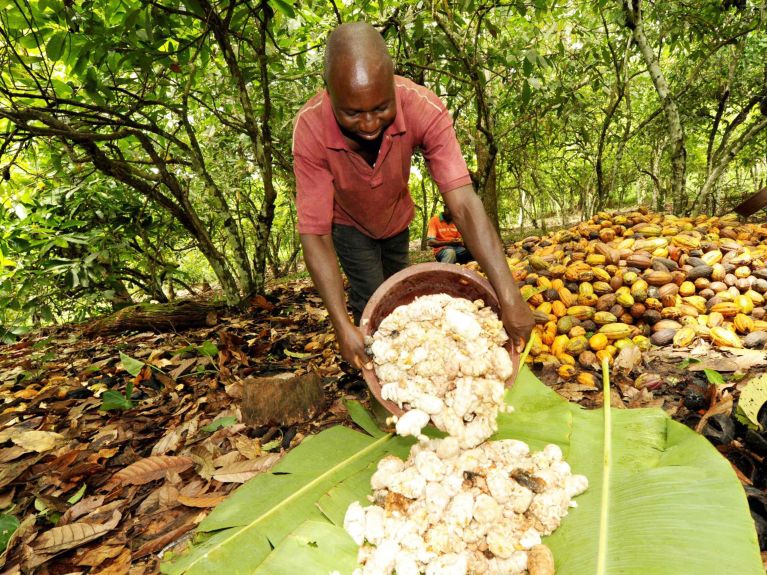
[364, 103]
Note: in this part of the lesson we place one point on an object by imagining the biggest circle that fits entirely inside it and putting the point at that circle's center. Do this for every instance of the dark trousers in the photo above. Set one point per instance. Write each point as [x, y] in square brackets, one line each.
[368, 262]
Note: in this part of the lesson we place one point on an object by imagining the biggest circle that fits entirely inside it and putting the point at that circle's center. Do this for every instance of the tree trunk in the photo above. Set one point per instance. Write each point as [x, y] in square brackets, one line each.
[634, 21]
[174, 316]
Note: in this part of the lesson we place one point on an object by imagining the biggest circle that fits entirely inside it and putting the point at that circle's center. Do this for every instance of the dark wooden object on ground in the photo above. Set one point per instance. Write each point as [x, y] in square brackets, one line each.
[175, 316]
[753, 204]
[282, 399]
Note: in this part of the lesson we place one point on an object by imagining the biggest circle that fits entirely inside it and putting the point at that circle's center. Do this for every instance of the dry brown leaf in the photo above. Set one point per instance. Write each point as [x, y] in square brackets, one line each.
[10, 453]
[241, 471]
[724, 406]
[85, 505]
[151, 468]
[119, 566]
[99, 553]
[207, 500]
[39, 441]
[249, 448]
[72, 535]
[183, 366]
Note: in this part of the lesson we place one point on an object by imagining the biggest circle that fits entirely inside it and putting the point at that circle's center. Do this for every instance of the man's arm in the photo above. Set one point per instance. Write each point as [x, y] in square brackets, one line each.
[485, 245]
[320, 258]
[433, 243]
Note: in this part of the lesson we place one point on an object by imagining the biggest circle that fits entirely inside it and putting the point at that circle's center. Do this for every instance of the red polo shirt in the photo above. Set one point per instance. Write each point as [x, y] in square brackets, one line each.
[336, 185]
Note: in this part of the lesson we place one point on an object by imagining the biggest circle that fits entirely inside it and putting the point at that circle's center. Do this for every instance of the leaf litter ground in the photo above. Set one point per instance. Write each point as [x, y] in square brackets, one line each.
[107, 492]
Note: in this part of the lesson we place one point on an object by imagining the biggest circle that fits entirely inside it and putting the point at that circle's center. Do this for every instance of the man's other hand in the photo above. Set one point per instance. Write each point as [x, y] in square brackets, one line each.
[352, 345]
[519, 322]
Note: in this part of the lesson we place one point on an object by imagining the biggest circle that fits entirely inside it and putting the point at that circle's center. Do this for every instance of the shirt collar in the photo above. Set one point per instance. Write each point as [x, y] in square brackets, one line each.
[335, 139]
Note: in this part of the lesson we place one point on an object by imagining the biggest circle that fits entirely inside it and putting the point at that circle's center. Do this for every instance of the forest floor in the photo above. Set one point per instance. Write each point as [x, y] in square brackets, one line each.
[112, 449]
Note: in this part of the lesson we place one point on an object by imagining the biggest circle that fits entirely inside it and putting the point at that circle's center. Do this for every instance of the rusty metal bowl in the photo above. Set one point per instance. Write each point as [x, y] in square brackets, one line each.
[424, 279]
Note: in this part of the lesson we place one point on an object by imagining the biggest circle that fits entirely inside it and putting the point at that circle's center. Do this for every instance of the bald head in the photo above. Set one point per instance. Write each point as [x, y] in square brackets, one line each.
[359, 76]
[358, 50]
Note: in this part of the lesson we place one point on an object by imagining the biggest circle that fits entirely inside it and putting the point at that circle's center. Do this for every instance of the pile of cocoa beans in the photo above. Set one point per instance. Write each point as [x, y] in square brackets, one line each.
[642, 279]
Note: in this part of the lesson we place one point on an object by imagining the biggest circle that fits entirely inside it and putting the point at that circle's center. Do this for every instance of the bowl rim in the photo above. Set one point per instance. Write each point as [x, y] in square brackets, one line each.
[462, 276]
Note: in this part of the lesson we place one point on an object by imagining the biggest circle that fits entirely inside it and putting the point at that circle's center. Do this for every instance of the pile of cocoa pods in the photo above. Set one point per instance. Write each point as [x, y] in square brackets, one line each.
[642, 279]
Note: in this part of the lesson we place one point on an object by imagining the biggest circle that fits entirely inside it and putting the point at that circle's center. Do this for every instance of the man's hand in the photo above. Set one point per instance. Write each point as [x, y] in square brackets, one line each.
[352, 346]
[519, 322]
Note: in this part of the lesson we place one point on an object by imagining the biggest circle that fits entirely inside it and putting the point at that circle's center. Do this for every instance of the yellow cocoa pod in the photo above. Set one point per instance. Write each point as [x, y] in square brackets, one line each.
[625, 299]
[650, 244]
[715, 319]
[696, 301]
[558, 308]
[629, 278]
[744, 303]
[585, 289]
[587, 379]
[727, 309]
[724, 337]
[615, 331]
[549, 333]
[544, 307]
[623, 342]
[601, 288]
[686, 241]
[588, 300]
[557, 270]
[684, 337]
[559, 345]
[543, 282]
[642, 342]
[712, 257]
[566, 296]
[755, 297]
[742, 272]
[538, 263]
[648, 230]
[576, 331]
[535, 300]
[602, 354]
[596, 260]
[581, 312]
[566, 371]
[687, 288]
[639, 290]
[760, 325]
[604, 317]
[601, 274]
[566, 359]
[743, 323]
[688, 310]
[577, 345]
[598, 341]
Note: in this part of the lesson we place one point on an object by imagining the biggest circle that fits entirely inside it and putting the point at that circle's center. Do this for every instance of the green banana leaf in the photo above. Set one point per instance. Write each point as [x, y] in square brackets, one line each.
[661, 499]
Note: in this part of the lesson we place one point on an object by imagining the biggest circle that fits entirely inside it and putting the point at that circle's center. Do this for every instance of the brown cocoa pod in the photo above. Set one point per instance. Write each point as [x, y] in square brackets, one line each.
[616, 281]
[707, 293]
[756, 340]
[666, 324]
[678, 276]
[641, 261]
[589, 325]
[669, 289]
[730, 279]
[605, 302]
[758, 313]
[743, 284]
[694, 261]
[663, 336]
[717, 286]
[658, 266]
[658, 278]
[701, 271]
[617, 310]
[637, 310]
[760, 285]
[651, 316]
[667, 263]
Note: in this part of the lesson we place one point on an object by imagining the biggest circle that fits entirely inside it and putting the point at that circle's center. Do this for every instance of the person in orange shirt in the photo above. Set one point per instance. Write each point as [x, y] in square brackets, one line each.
[445, 239]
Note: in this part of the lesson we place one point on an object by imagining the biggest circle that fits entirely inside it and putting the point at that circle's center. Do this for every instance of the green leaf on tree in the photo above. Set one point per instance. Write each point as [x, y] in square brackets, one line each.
[283, 7]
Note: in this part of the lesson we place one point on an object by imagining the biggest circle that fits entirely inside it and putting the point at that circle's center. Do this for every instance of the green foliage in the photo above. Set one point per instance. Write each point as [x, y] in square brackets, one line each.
[114, 400]
[140, 158]
[8, 524]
